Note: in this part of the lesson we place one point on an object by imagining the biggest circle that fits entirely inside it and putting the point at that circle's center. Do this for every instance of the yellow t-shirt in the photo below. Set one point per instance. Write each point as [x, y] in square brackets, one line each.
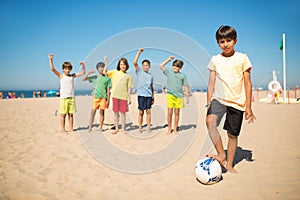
[229, 86]
[121, 82]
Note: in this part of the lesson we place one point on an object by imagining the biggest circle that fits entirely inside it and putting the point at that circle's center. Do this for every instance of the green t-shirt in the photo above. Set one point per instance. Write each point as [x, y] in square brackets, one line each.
[175, 82]
[101, 83]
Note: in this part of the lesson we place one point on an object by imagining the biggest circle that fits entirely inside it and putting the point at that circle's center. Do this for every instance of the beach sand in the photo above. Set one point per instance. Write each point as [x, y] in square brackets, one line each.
[38, 162]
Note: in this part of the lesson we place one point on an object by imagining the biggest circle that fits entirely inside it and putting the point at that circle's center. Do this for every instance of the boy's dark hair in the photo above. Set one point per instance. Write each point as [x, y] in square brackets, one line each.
[147, 61]
[125, 62]
[100, 65]
[178, 63]
[67, 65]
[226, 32]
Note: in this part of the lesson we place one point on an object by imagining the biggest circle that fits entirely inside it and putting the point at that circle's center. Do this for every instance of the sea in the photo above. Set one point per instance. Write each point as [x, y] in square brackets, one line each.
[52, 93]
[35, 93]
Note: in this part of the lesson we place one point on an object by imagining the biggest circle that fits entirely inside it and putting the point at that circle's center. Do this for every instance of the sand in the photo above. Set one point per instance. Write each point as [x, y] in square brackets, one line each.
[39, 162]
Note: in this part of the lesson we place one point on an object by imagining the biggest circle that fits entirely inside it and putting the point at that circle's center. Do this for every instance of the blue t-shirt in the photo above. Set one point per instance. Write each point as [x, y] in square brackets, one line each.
[175, 82]
[144, 82]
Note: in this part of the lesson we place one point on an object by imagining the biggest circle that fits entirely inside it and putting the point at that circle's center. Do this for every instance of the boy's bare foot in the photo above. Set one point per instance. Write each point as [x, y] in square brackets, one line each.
[148, 130]
[140, 130]
[64, 132]
[169, 131]
[221, 159]
[124, 131]
[100, 130]
[115, 131]
[232, 170]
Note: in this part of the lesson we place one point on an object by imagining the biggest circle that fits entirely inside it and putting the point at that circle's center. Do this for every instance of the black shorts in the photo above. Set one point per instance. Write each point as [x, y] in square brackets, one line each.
[234, 117]
[144, 103]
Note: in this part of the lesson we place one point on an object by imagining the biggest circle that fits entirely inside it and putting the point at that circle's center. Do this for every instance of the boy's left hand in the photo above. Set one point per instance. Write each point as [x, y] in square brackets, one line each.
[249, 115]
[81, 63]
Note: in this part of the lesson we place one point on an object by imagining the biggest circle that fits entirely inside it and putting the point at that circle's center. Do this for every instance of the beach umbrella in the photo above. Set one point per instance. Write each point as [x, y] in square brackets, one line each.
[50, 92]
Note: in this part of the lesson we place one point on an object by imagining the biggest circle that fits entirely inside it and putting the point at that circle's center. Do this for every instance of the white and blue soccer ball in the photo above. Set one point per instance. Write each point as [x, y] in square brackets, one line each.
[208, 171]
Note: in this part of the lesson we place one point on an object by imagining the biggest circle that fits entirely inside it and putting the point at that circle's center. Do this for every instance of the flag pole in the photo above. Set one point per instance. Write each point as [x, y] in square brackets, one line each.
[284, 68]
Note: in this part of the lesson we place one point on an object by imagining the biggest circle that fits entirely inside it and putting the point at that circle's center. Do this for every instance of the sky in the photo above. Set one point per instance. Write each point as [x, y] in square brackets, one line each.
[71, 30]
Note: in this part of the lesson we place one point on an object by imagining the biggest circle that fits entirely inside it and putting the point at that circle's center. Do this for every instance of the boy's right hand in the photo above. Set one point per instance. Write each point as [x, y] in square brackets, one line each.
[171, 57]
[141, 50]
[51, 56]
[91, 71]
[106, 59]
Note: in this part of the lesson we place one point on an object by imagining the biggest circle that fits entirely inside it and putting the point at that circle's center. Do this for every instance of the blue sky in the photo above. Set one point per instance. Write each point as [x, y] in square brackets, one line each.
[31, 29]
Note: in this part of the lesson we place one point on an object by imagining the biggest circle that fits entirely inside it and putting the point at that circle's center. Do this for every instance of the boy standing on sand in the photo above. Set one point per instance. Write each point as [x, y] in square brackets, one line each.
[145, 91]
[176, 81]
[229, 91]
[67, 99]
[101, 92]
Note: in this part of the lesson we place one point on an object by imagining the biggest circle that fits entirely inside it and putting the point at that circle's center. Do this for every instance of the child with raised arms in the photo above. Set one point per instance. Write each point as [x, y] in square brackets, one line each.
[145, 91]
[67, 104]
[176, 81]
[101, 92]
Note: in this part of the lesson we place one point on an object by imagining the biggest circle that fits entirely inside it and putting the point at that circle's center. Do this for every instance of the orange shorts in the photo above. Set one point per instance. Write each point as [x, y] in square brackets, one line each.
[99, 103]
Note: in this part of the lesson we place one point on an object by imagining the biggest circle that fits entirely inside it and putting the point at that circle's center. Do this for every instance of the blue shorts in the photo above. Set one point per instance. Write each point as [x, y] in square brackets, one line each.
[234, 117]
[144, 103]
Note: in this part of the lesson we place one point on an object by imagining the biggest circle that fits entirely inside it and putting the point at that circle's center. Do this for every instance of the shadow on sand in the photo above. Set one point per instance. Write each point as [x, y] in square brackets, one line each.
[131, 127]
[240, 155]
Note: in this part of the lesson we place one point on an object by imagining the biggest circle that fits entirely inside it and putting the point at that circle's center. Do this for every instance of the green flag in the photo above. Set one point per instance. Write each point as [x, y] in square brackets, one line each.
[281, 45]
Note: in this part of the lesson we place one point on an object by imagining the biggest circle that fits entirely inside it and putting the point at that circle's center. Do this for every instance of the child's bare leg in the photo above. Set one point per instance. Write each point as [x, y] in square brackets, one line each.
[116, 121]
[211, 123]
[71, 121]
[123, 119]
[170, 113]
[93, 112]
[101, 120]
[141, 114]
[176, 120]
[63, 123]
[148, 112]
[231, 150]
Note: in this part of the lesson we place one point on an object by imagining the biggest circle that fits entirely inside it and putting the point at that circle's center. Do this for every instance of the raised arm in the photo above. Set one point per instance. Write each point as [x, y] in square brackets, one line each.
[162, 65]
[135, 61]
[85, 77]
[52, 66]
[106, 65]
[82, 72]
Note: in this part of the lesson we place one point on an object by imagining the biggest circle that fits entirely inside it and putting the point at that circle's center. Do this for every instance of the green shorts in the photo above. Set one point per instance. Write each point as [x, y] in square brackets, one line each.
[174, 102]
[67, 105]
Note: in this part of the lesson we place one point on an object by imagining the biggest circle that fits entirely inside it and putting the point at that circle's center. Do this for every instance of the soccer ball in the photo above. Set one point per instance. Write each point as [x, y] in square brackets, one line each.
[208, 171]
